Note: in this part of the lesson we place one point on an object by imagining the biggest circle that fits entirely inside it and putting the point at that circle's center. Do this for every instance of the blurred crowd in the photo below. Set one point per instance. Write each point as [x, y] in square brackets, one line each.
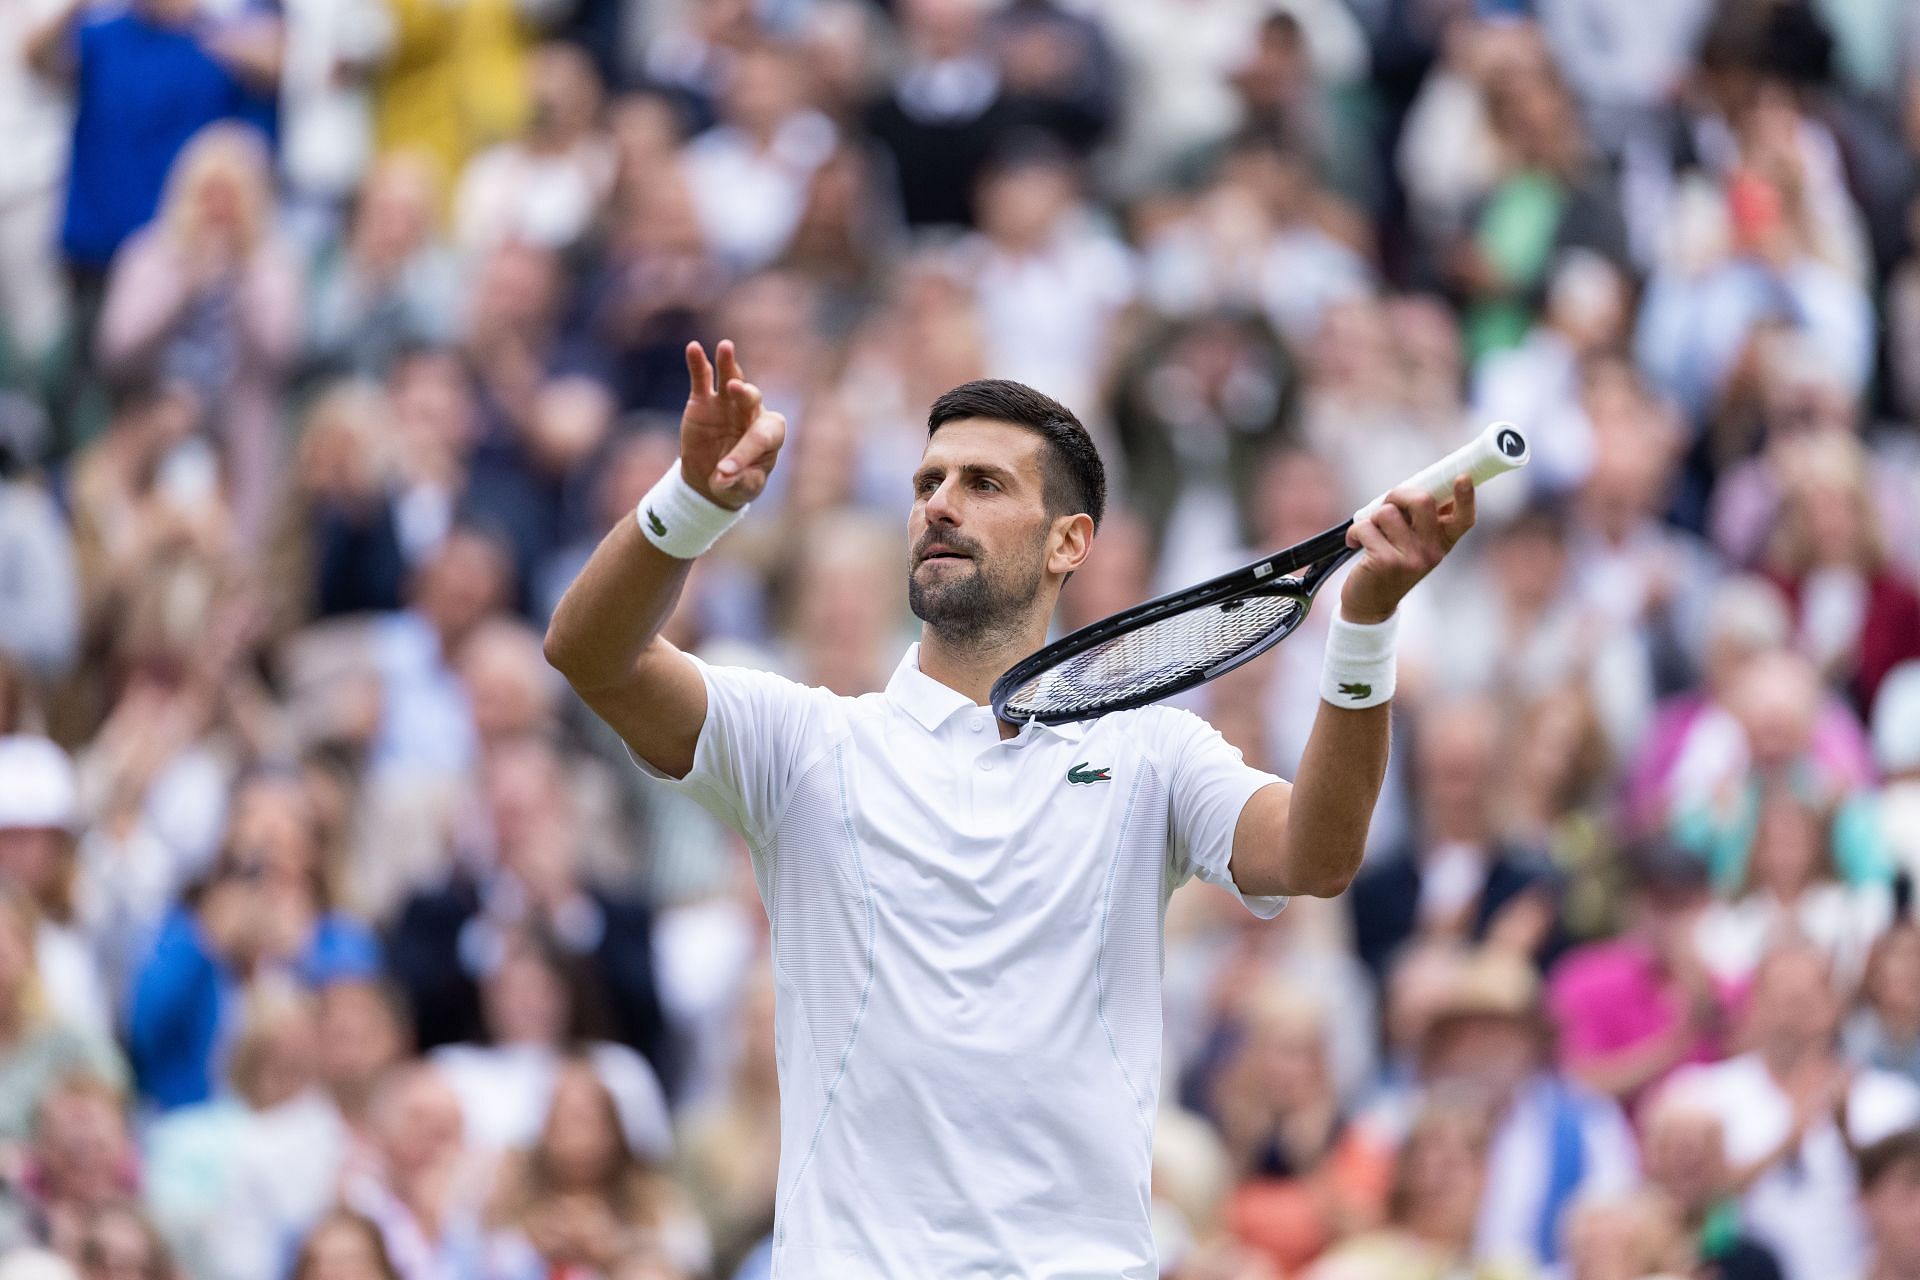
[337, 942]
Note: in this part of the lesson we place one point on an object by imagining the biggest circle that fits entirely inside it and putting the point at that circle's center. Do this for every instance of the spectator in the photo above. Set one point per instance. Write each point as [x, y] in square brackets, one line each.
[265, 908]
[547, 188]
[341, 535]
[748, 175]
[1551, 196]
[1553, 1140]
[83, 1159]
[426, 724]
[1455, 881]
[1303, 1183]
[1438, 1189]
[580, 1199]
[943, 111]
[454, 78]
[1791, 887]
[1196, 404]
[238, 1181]
[119, 1242]
[1702, 741]
[363, 1037]
[1890, 1190]
[388, 284]
[1883, 1031]
[534, 1017]
[528, 876]
[1684, 1155]
[145, 81]
[1856, 617]
[40, 601]
[424, 1187]
[207, 297]
[37, 1050]
[344, 1246]
[1049, 288]
[1631, 1010]
[1791, 1108]
[1635, 1234]
[38, 812]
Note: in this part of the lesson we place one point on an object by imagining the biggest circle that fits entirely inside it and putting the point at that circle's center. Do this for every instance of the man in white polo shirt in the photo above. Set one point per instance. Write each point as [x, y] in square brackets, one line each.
[966, 914]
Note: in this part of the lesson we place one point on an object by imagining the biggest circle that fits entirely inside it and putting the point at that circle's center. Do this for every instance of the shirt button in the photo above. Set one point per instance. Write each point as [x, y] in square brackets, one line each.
[977, 725]
[986, 766]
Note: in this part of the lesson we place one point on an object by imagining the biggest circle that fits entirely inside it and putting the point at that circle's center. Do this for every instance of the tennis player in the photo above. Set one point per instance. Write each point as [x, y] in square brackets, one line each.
[966, 914]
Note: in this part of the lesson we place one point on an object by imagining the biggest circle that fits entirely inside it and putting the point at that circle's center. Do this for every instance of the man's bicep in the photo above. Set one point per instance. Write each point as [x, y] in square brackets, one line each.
[733, 738]
[659, 711]
[1260, 838]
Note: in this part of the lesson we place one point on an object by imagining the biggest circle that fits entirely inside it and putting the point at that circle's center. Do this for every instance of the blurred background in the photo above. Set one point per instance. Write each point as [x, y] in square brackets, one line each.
[338, 942]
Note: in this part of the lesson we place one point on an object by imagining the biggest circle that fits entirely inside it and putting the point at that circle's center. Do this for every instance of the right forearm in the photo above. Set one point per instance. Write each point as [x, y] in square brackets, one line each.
[615, 609]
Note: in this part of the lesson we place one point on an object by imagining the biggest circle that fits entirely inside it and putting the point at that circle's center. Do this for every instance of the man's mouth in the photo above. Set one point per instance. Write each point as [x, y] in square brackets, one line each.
[942, 553]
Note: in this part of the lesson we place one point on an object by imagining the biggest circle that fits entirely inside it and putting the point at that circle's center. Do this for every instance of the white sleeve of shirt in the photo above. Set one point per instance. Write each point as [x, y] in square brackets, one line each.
[762, 733]
[1208, 784]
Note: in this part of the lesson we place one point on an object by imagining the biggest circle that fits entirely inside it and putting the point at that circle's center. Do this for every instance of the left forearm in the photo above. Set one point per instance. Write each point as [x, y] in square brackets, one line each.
[1339, 781]
[1308, 838]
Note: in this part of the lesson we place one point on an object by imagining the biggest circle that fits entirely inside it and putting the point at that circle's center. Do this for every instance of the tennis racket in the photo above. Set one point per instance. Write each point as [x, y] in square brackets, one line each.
[1186, 638]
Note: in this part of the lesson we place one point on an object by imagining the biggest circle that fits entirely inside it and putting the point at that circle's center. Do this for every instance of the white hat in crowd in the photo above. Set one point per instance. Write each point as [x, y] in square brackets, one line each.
[37, 785]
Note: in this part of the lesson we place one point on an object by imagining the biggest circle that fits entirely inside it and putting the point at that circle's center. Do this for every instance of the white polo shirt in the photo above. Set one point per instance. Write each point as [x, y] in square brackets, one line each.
[967, 956]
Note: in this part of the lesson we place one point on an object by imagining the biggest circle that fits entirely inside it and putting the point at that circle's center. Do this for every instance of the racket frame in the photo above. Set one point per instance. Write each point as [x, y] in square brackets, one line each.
[1276, 575]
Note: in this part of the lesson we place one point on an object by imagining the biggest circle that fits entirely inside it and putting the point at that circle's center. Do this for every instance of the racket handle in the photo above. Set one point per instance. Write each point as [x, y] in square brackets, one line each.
[1497, 450]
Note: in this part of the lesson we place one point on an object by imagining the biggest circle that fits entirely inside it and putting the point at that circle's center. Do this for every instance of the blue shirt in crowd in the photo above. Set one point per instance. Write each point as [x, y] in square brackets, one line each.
[142, 89]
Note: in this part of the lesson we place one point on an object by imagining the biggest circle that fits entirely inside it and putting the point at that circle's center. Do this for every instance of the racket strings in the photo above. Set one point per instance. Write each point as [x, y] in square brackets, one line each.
[1153, 660]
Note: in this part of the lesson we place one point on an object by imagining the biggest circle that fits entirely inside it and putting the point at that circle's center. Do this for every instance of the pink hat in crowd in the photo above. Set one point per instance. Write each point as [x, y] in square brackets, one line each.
[38, 790]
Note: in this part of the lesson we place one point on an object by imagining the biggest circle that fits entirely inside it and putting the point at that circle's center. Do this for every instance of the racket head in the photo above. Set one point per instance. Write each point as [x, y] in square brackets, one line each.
[1167, 645]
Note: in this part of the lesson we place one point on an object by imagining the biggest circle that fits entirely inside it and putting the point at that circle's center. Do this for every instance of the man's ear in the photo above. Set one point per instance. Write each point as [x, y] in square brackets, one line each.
[1069, 543]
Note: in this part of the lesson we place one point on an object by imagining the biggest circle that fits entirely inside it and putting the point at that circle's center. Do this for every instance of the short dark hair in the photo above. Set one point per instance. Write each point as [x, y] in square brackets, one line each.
[1076, 479]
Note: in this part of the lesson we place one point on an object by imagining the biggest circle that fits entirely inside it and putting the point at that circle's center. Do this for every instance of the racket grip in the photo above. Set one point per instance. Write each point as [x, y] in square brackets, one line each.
[1499, 449]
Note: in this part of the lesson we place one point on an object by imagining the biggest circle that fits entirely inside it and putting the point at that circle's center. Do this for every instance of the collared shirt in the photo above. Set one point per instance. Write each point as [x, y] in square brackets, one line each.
[967, 955]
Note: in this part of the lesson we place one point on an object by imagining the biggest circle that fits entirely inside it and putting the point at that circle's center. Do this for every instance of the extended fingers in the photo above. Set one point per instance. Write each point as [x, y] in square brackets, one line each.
[743, 472]
[729, 361]
[699, 371]
[744, 402]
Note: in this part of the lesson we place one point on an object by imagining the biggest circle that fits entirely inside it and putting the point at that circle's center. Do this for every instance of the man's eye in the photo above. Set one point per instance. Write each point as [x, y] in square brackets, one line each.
[984, 483]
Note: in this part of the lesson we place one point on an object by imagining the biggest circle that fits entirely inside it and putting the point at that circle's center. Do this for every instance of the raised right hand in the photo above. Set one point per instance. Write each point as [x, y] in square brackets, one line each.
[728, 439]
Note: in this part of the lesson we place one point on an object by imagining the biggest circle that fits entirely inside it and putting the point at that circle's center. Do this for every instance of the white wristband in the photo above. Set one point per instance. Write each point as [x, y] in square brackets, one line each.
[681, 522]
[1359, 669]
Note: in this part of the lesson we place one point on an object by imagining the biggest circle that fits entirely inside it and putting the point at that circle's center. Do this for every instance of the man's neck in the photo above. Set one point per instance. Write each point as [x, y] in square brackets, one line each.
[971, 666]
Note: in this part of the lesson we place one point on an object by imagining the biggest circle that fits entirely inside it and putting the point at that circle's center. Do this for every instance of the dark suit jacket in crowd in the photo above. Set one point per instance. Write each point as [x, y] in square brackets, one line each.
[425, 957]
[1385, 899]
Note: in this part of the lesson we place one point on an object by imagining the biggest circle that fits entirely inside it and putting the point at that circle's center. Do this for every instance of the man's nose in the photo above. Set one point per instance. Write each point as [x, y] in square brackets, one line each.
[941, 508]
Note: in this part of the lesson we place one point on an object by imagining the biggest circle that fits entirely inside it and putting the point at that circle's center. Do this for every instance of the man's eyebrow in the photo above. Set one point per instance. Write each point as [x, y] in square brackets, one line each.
[993, 471]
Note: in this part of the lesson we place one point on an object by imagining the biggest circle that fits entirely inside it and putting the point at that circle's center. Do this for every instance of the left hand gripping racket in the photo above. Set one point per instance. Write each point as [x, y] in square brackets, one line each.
[1188, 637]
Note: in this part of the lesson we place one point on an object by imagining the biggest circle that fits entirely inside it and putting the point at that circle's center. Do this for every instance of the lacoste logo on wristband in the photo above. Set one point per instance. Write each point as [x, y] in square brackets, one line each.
[1357, 691]
[656, 524]
[1081, 776]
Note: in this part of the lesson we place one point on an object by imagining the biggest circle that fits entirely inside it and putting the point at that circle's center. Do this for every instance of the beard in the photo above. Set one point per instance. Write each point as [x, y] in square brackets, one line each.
[961, 606]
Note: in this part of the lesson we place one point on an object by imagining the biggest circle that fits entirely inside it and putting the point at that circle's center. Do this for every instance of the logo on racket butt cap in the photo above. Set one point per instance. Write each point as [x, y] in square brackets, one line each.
[1511, 443]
